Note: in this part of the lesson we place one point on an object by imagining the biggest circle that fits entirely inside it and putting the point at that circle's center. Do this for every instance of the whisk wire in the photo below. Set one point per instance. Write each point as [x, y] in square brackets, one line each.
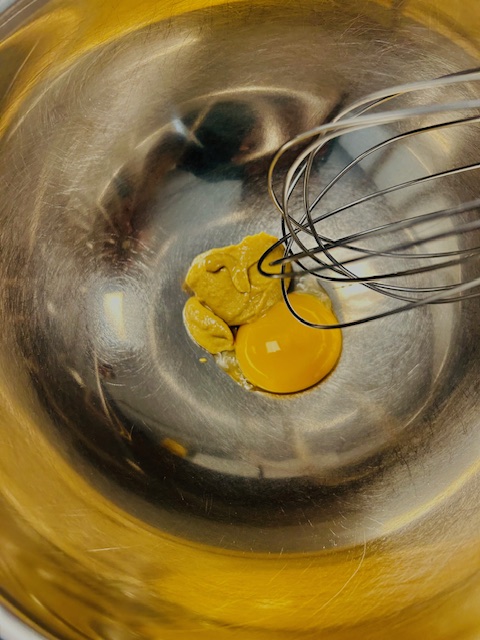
[324, 262]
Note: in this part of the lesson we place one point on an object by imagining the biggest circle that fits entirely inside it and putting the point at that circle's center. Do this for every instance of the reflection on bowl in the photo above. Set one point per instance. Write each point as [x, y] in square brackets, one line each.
[144, 494]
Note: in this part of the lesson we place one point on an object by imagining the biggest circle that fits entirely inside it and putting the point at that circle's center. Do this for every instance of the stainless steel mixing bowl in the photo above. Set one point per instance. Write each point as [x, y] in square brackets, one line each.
[144, 494]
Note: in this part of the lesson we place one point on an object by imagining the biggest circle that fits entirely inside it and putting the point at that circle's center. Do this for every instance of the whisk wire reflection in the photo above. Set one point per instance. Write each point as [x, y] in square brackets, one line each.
[417, 244]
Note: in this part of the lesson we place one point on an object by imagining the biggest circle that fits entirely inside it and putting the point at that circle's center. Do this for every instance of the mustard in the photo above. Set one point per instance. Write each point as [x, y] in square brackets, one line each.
[230, 291]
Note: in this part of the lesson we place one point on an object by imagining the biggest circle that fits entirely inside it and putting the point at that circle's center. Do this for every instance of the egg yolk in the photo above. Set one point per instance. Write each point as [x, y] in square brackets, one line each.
[278, 353]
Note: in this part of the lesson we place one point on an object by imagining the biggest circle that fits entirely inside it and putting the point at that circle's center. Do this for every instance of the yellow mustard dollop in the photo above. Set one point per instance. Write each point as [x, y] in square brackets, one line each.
[229, 291]
[206, 328]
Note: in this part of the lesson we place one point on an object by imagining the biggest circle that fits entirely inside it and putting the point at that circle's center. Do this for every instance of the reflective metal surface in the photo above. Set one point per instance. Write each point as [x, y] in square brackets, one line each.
[12, 629]
[148, 470]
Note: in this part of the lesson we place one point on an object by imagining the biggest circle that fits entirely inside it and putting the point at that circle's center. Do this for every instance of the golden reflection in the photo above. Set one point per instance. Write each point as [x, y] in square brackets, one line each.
[66, 551]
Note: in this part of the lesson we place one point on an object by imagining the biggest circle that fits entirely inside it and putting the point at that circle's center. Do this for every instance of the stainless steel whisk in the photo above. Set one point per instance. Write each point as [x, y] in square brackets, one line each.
[375, 257]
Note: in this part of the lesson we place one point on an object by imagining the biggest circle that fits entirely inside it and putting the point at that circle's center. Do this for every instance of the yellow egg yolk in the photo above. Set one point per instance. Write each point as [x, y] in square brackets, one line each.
[278, 353]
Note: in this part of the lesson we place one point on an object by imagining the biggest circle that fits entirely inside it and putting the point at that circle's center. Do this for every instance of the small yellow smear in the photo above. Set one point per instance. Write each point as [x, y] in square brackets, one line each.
[228, 282]
[174, 447]
[229, 291]
[206, 328]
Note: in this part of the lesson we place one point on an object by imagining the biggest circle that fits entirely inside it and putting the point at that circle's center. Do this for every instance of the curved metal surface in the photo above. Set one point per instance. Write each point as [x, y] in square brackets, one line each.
[12, 629]
[140, 464]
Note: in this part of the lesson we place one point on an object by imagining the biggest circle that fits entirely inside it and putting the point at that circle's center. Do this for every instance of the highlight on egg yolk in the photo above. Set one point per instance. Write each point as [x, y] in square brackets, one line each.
[278, 353]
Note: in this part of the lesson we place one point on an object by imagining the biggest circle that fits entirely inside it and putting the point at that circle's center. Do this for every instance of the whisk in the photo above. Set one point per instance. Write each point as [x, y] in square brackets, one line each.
[391, 258]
